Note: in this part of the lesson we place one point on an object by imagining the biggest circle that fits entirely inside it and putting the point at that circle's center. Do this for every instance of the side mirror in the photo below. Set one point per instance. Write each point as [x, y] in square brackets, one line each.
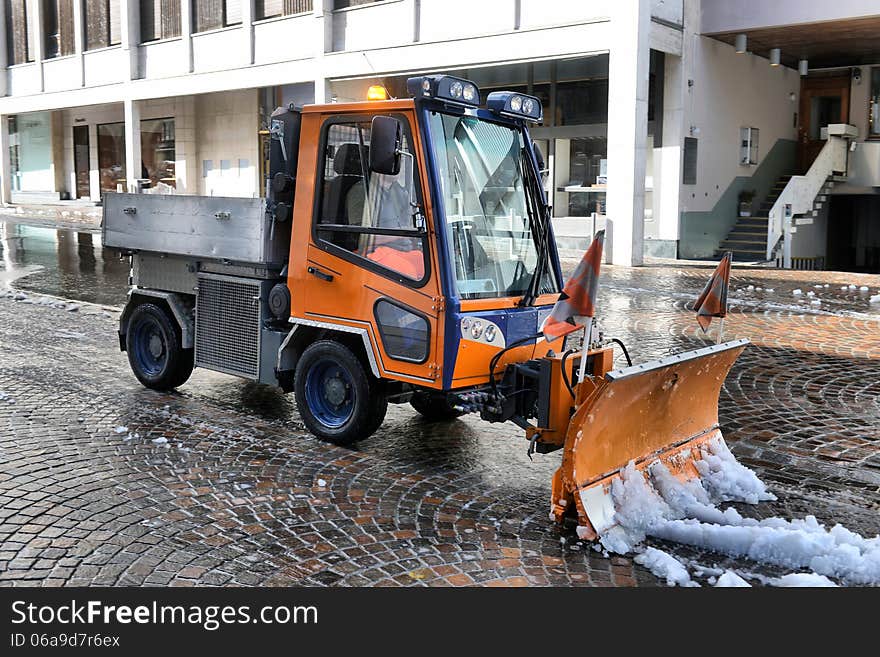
[386, 135]
[539, 156]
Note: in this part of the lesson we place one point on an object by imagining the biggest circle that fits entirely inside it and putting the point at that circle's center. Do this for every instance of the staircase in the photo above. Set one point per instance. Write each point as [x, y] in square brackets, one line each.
[748, 237]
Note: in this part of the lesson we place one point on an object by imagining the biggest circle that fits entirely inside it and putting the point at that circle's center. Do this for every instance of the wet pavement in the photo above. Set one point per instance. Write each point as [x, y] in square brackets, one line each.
[220, 484]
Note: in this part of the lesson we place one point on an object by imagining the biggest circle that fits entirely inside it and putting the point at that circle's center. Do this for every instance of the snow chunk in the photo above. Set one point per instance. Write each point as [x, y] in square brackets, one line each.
[797, 292]
[161, 440]
[121, 429]
[874, 299]
[803, 580]
[864, 288]
[731, 580]
[321, 483]
[815, 302]
[726, 479]
[666, 566]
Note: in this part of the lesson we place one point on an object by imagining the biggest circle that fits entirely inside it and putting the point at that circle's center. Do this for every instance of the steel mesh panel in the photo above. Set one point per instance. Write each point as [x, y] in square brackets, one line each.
[228, 326]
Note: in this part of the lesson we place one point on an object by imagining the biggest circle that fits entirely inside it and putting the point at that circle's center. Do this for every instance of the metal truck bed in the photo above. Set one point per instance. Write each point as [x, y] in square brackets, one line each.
[210, 227]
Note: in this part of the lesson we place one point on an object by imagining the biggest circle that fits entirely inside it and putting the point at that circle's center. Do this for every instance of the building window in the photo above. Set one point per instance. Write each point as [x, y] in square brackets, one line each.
[342, 4]
[103, 24]
[160, 19]
[57, 28]
[214, 14]
[874, 109]
[20, 37]
[111, 156]
[272, 8]
[157, 153]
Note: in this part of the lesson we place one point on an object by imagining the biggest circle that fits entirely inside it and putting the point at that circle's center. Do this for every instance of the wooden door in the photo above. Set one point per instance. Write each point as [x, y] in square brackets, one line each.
[823, 101]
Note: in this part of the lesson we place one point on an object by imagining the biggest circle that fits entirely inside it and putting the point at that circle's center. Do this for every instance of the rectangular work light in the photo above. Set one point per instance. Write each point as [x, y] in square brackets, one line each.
[516, 105]
[444, 87]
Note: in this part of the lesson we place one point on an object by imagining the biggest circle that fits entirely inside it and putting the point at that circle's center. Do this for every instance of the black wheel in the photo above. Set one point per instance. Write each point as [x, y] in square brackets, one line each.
[336, 397]
[434, 406]
[154, 352]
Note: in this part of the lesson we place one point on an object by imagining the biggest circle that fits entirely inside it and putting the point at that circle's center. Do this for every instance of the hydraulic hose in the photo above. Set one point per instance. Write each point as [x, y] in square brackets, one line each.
[629, 361]
[497, 357]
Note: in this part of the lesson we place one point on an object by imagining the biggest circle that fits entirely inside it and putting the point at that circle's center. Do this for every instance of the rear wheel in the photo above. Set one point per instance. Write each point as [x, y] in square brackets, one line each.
[336, 397]
[434, 406]
[154, 352]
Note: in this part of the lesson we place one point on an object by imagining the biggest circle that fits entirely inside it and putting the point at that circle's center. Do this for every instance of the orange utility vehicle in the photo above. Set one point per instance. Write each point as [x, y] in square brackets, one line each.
[403, 253]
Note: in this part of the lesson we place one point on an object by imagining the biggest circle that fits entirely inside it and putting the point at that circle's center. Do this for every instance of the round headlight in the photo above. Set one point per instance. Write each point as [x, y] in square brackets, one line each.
[516, 103]
[455, 89]
[477, 330]
[465, 324]
[469, 93]
[528, 105]
[490, 333]
[426, 85]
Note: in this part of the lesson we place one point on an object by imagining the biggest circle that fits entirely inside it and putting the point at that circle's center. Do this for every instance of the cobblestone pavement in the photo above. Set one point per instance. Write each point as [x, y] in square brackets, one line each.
[219, 484]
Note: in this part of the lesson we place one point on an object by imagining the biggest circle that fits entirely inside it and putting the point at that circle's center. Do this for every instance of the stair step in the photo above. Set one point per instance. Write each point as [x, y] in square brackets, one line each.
[742, 245]
[747, 235]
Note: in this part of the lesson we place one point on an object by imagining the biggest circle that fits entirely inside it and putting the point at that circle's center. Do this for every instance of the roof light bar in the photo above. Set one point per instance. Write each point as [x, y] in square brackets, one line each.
[519, 106]
[444, 87]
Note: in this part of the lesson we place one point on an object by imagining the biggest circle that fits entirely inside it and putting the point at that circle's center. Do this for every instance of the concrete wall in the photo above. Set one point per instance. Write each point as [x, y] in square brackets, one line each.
[730, 15]
[731, 91]
[227, 143]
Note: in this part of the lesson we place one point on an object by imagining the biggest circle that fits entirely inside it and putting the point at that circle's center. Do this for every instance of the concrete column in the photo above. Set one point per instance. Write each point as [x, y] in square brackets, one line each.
[668, 154]
[5, 168]
[56, 132]
[94, 170]
[248, 11]
[186, 33]
[628, 69]
[131, 34]
[323, 13]
[39, 45]
[4, 62]
[133, 158]
[79, 40]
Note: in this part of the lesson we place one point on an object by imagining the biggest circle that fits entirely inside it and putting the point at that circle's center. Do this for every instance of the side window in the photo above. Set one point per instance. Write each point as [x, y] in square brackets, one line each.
[369, 215]
[404, 333]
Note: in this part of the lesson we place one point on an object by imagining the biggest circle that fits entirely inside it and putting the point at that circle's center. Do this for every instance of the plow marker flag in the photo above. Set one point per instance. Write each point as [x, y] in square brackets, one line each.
[578, 296]
[712, 302]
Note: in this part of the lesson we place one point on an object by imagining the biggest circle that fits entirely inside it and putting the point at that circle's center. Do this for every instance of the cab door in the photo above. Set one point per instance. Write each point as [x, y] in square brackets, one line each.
[371, 262]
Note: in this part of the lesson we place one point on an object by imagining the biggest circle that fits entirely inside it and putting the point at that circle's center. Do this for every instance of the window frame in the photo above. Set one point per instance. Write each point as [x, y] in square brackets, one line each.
[412, 311]
[873, 70]
[317, 209]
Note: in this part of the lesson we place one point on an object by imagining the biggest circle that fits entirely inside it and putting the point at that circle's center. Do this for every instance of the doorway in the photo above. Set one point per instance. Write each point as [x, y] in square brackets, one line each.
[824, 101]
[81, 160]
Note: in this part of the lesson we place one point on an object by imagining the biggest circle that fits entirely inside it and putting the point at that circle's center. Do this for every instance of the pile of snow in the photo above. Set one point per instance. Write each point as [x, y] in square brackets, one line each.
[664, 507]
[666, 566]
[803, 580]
[731, 580]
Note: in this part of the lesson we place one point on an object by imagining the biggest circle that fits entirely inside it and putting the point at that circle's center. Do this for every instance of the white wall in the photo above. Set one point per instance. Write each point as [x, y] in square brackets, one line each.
[226, 137]
[731, 15]
[731, 91]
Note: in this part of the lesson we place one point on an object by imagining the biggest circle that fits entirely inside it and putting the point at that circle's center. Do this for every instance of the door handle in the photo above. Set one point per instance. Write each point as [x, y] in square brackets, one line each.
[314, 271]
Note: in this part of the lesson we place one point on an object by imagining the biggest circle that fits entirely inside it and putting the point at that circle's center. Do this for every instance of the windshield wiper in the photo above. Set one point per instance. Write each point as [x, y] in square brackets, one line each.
[539, 220]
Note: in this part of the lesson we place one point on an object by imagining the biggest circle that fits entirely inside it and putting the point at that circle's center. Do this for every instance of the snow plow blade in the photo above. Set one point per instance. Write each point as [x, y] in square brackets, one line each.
[663, 410]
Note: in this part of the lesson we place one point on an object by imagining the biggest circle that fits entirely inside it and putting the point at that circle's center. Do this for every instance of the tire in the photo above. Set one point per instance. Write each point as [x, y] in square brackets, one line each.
[434, 407]
[337, 398]
[154, 353]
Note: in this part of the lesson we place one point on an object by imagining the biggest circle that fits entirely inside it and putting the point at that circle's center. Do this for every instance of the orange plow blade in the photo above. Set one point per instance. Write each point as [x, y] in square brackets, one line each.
[664, 410]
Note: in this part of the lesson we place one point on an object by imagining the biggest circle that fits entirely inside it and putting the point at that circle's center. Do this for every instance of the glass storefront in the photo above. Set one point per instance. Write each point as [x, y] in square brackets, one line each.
[158, 170]
[30, 152]
[111, 156]
[157, 153]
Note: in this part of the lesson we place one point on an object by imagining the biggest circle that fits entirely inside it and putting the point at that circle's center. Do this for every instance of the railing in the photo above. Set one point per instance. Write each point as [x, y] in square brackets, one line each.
[804, 264]
[800, 193]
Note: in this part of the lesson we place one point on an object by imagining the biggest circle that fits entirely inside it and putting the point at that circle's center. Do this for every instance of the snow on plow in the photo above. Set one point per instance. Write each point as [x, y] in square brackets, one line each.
[663, 411]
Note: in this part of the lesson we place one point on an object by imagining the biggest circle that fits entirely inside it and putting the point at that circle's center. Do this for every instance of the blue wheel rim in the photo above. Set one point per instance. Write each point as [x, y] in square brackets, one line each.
[150, 348]
[329, 393]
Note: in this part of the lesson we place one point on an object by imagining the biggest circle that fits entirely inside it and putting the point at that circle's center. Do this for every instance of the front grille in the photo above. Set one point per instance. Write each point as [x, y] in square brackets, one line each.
[228, 325]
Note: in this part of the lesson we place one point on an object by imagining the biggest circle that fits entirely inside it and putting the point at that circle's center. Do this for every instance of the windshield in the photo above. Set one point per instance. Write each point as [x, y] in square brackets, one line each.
[481, 168]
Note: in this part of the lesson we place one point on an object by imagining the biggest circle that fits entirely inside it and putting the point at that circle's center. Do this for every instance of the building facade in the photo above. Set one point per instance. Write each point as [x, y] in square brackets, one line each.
[656, 127]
